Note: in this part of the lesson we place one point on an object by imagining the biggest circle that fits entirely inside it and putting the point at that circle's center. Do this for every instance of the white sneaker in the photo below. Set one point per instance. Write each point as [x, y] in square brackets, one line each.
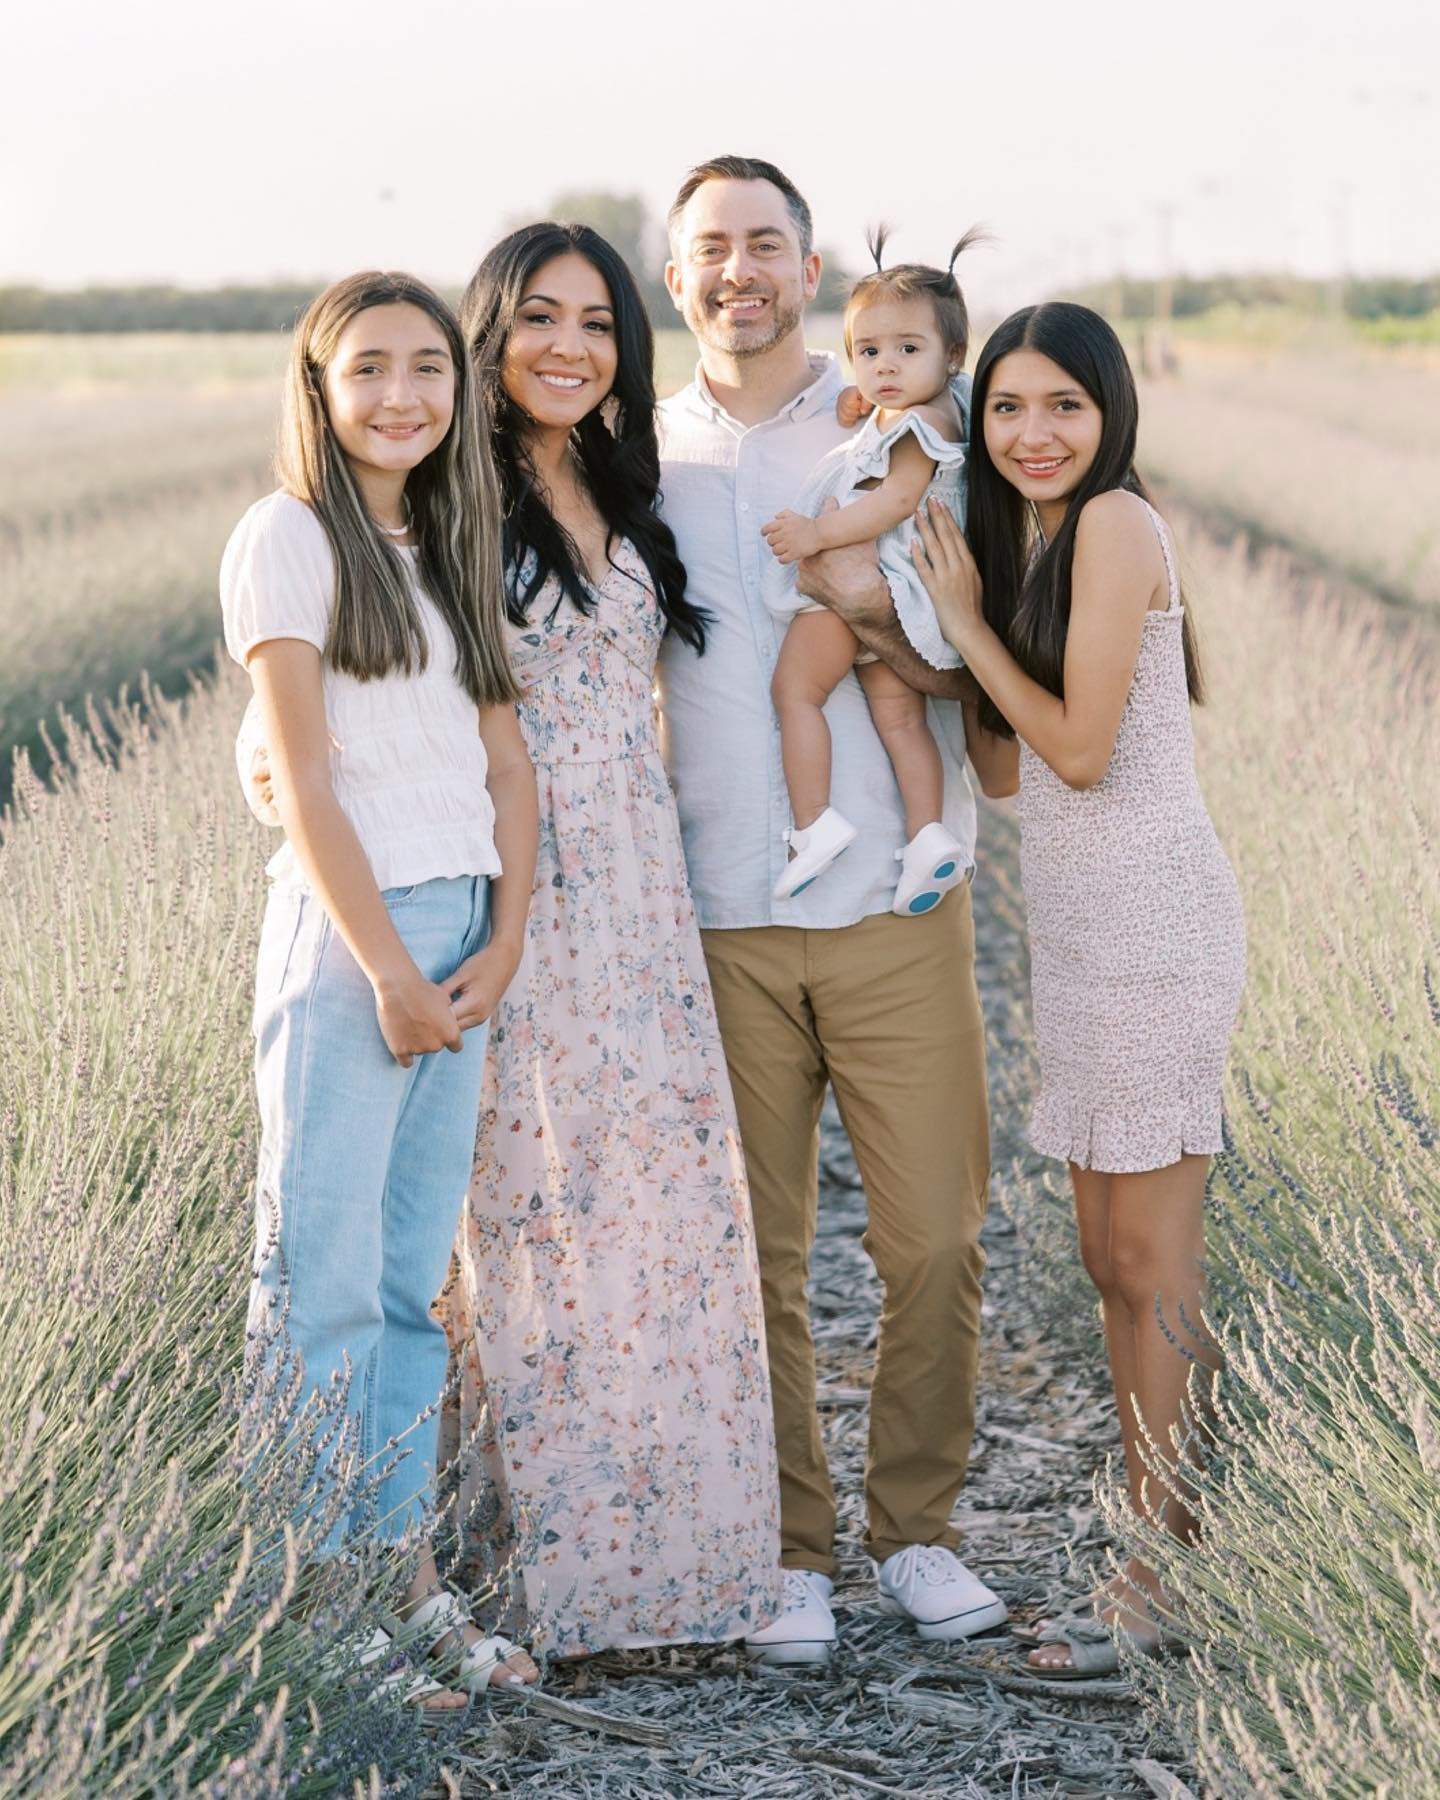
[805, 1629]
[930, 1584]
[816, 847]
[933, 862]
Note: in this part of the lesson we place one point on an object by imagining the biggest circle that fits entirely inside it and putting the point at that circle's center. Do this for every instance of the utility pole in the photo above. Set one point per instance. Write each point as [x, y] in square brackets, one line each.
[1159, 358]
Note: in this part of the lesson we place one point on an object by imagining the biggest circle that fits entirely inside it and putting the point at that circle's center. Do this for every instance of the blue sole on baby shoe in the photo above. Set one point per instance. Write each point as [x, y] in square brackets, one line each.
[923, 902]
[946, 868]
[796, 892]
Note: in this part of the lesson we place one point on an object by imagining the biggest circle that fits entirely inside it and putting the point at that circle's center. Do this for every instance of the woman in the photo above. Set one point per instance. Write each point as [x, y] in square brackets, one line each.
[615, 1412]
[1069, 614]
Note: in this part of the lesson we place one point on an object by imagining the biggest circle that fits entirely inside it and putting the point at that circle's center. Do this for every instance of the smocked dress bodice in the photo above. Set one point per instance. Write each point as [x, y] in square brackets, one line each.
[589, 678]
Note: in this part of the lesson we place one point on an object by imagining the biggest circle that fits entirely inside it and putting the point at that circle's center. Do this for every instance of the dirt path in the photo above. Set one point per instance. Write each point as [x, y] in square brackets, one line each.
[891, 1715]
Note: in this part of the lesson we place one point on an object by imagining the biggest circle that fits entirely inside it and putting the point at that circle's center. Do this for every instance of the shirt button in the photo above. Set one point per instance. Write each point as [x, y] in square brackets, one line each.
[744, 506]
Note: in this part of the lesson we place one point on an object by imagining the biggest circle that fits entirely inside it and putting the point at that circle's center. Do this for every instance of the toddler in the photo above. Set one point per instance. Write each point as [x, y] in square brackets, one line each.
[906, 334]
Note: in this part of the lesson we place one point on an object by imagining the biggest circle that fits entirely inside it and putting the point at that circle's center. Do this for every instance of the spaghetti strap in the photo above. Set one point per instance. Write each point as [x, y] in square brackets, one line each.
[1162, 531]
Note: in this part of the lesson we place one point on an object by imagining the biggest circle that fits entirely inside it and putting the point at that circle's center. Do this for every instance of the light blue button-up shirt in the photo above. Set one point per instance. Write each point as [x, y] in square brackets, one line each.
[720, 481]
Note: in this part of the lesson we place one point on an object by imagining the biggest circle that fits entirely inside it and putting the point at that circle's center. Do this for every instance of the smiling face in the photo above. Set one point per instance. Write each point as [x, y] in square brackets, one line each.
[1042, 429]
[561, 355]
[389, 393]
[899, 356]
[737, 275]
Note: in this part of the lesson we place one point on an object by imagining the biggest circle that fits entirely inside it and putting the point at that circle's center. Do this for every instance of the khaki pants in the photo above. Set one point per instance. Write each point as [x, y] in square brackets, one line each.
[887, 1010]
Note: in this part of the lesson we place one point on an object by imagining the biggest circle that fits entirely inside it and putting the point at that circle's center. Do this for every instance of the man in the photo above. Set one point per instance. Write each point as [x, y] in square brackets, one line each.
[829, 985]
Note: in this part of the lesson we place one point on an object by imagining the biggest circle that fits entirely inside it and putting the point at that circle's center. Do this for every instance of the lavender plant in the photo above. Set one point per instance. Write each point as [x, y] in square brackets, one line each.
[164, 1624]
[1311, 1598]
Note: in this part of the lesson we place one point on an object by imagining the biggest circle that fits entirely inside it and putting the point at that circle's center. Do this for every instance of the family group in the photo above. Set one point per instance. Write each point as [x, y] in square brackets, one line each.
[624, 759]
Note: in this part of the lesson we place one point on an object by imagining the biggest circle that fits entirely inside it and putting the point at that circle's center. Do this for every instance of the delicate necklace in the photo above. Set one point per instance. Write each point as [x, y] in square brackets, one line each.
[395, 531]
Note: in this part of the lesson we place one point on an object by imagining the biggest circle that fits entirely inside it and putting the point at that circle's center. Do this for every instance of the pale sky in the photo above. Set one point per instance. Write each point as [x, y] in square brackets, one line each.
[175, 140]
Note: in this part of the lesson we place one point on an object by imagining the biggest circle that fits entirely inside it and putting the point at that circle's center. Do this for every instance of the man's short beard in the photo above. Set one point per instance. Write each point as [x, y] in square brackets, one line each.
[783, 321]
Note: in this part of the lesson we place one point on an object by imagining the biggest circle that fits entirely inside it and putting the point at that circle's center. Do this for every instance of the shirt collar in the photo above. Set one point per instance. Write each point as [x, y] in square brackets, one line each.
[820, 396]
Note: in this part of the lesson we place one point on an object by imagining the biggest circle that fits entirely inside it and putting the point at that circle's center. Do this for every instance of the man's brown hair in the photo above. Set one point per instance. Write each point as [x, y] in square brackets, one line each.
[745, 168]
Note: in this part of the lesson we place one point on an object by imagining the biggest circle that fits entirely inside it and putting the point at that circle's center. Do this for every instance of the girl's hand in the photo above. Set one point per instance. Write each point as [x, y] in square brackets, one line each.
[947, 571]
[791, 535]
[416, 1018]
[476, 986]
[851, 408]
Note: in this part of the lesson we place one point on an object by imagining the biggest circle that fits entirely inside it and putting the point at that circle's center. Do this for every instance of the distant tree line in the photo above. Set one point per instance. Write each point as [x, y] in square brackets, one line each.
[1378, 297]
[155, 308]
[622, 218]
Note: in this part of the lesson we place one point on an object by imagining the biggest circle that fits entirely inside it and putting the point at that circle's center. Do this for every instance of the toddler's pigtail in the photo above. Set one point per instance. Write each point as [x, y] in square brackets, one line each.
[875, 241]
[977, 234]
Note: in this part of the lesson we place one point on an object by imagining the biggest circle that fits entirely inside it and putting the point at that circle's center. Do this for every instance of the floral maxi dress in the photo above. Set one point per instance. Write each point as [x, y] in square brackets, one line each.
[608, 1316]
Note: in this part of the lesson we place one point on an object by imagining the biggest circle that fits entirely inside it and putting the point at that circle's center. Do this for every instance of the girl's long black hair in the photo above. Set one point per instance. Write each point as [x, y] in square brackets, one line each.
[1027, 597]
[615, 444]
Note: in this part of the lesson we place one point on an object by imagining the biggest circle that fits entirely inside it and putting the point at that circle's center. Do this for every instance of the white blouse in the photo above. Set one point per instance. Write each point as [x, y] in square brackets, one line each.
[407, 763]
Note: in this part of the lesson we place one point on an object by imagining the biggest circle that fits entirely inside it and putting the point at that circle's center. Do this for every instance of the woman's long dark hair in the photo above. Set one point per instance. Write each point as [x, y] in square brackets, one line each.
[1027, 597]
[619, 460]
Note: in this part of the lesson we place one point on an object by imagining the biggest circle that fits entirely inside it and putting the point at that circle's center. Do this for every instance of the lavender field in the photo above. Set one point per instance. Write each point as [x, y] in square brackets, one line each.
[156, 1632]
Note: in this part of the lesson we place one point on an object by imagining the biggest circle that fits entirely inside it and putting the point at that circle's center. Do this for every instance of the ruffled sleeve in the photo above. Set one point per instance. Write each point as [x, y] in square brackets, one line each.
[872, 454]
[277, 577]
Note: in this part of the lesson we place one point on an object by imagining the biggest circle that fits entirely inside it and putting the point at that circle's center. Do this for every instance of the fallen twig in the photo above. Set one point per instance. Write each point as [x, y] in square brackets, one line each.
[1160, 1781]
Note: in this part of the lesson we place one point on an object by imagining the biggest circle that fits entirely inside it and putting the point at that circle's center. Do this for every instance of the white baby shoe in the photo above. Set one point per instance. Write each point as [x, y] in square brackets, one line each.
[816, 847]
[933, 862]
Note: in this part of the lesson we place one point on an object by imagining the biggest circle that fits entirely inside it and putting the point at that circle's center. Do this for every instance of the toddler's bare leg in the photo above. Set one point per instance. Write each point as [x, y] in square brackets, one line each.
[899, 715]
[818, 650]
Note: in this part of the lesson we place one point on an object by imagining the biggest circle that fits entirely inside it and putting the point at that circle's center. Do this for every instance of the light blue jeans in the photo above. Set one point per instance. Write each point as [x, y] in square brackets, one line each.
[363, 1169]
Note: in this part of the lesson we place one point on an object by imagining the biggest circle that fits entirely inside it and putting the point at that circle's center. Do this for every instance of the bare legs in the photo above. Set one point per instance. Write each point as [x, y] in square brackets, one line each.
[1142, 1239]
[899, 716]
[818, 651]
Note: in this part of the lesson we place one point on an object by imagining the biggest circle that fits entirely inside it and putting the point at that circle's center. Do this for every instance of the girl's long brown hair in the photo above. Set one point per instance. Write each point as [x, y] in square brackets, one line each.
[454, 499]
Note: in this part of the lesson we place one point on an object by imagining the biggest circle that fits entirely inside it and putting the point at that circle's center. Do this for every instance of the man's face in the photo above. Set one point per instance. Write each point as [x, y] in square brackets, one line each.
[738, 278]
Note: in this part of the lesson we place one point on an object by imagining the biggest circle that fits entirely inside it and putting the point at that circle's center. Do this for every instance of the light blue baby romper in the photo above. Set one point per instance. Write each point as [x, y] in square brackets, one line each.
[864, 457]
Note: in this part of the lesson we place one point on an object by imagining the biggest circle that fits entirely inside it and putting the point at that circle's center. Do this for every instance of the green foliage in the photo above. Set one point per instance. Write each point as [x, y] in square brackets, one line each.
[623, 219]
[1373, 297]
[273, 308]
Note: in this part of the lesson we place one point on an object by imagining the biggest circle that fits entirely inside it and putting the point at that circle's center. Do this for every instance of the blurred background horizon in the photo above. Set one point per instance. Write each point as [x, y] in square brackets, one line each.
[158, 144]
[1248, 198]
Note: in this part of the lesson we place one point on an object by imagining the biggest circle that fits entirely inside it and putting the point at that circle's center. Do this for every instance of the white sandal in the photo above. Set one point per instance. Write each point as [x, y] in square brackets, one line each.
[401, 1680]
[442, 1615]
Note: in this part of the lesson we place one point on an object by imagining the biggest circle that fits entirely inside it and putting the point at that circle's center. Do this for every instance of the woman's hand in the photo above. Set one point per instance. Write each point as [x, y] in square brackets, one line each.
[791, 536]
[416, 1017]
[476, 986]
[947, 571]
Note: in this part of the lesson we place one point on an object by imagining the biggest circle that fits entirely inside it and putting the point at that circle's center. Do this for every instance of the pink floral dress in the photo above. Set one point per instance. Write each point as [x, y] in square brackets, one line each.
[608, 1316]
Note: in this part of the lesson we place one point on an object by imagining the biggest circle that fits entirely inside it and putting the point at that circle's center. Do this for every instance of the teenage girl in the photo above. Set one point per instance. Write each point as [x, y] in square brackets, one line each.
[1067, 609]
[363, 598]
[906, 334]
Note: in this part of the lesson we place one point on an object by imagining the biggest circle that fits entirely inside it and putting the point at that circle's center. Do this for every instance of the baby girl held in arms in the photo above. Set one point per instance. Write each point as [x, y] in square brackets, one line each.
[906, 333]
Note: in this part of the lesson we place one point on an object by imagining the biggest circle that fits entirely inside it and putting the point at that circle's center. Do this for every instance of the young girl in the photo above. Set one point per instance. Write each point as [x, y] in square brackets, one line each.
[906, 334]
[364, 599]
[1070, 616]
